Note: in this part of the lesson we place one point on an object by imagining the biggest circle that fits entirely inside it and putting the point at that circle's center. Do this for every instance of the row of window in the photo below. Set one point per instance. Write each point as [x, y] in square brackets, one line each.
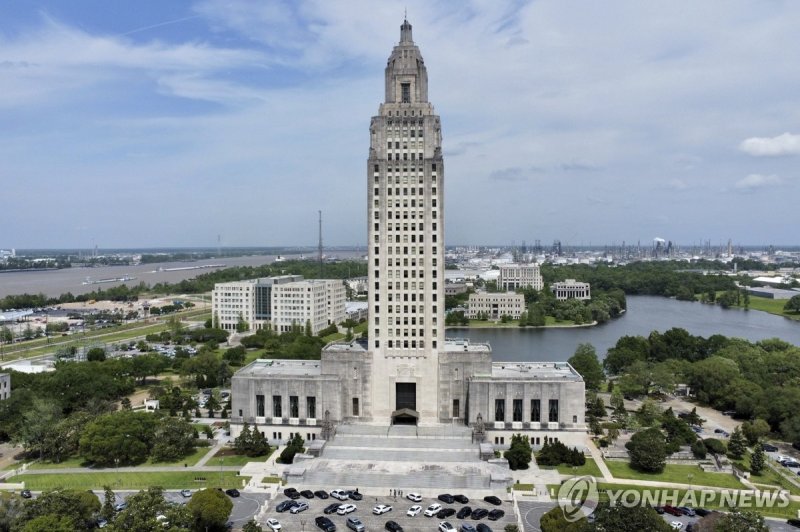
[535, 413]
[396, 262]
[413, 320]
[405, 308]
[294, 406]
[394, 143]
[405, 344]
[414, 191]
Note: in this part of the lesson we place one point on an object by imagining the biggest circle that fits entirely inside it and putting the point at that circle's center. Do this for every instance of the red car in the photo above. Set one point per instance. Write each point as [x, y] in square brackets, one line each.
[672, 510]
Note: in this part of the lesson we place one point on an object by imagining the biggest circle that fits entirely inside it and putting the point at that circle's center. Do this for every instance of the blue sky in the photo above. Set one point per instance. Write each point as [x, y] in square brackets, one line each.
[152, 123]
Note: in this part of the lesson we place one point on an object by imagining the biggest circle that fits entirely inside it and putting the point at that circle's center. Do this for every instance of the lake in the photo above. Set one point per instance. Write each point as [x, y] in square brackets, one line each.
[645, 314]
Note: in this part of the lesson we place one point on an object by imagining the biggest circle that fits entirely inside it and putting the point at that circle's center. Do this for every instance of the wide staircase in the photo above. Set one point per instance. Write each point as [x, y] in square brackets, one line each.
[410, 458]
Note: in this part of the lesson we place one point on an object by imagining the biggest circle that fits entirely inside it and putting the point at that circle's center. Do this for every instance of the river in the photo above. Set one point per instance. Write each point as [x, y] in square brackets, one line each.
[645, 314]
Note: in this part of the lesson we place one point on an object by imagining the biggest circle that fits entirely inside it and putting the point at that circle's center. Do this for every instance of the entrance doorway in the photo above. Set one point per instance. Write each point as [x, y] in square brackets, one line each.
[405, 404]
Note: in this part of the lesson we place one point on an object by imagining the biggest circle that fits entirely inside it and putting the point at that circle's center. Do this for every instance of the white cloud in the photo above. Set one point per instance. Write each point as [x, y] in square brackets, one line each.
[786, 144]
[757, 181]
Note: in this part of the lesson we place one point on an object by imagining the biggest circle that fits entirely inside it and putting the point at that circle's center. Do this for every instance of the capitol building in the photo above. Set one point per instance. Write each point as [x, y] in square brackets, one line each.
[406, 371]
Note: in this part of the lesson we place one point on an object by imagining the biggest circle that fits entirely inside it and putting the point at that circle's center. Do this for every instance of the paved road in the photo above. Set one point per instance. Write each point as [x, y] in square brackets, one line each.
[531, 513]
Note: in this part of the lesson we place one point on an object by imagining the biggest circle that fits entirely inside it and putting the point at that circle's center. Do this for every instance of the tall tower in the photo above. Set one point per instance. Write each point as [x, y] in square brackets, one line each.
[405, 186]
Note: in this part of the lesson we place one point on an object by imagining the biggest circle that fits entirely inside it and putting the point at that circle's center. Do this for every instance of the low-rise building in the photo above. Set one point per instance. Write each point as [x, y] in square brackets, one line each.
[249, 300]
[495, 305]
[318, 302]
[571, 289]
[454, 289]
[513, 276]
[5, 386]
[356, 310]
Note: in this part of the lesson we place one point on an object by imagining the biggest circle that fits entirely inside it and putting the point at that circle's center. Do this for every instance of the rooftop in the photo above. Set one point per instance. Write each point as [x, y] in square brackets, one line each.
[262, 367]
[543, 371]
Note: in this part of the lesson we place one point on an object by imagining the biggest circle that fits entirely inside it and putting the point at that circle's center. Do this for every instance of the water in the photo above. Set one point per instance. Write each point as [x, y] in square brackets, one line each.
[645, 314]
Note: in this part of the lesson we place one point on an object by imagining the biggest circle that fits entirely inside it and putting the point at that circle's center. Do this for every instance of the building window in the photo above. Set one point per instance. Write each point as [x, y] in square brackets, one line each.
[517, 413]
[277, 410]
[456, 408]
[355, 406]
[536, 410]
[553, 418]
[260, 405]
[311, 407]
[294, 406]
[499, 409]
[406, 92]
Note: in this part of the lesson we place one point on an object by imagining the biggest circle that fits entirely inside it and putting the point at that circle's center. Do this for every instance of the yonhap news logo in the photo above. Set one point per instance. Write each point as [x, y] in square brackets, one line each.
[578, 497]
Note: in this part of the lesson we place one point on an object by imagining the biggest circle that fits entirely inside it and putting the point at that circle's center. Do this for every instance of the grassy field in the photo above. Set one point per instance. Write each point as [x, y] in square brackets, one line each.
[166, 480]
[773, 306]
[589, 468]
[226, 457]
[676, 473]
[768, 477]
[550, 321]
[192, 459]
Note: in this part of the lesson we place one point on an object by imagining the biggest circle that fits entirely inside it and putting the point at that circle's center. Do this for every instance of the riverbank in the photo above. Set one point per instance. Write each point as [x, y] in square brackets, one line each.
[480, 324]
[761, 304]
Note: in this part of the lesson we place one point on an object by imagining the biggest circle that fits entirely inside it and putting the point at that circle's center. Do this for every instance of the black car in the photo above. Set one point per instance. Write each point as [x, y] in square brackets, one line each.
[354, 494]
[769, 448]
[446, 497]
[233, 492]
[292, 493]
[461, 499]
[496, 514]
[325, 524]
[26, 494]
[491, 499]
[482, 527]
[701, 512]
[794, 522]
[308, 494]
[283, 506]
[479, 513]
[331, 508]
[393, 527]
[659, 510]
[444, 513]
[464, 512]
[320, 494]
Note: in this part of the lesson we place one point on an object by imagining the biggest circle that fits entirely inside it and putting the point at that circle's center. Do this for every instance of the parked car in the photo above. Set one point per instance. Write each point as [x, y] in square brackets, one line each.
[793, 522]
[299, 507]
[687, 511]
[339, 494]
[672, 510]
[676, 525]
[491, 499]
[325, 524]
[345, 509]
[292, 493]
[466, 527]
[464, 512]
[446, 498]
[769, 448]
[273, 524]
[432, 509]
[444, 526]
[479, 513]
[331, 508]
[414, 510]
[391, 526]
[659, 510]
[444, 513]
[186, 493]
[483, 527]
[308, 494]
[354, 523]
[283, 506]
[416, 497]
[120, 506]
[320, 494]
[354, 494]
[701, 512]
[461, 499]
[381, 509]
[26, 494]
[496, 514]
[232, 492]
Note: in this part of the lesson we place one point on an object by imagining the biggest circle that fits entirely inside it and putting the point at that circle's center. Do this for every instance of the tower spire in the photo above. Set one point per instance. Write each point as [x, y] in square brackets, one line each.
[405, 32]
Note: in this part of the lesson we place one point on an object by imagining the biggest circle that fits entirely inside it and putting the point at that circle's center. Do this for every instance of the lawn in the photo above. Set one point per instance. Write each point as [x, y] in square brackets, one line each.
[773, 306]
[550, 321]
[77, 461]
[166, 480]
[589, 468]
[676, 473]
[768, 477]
[227, 457]
[333, 337]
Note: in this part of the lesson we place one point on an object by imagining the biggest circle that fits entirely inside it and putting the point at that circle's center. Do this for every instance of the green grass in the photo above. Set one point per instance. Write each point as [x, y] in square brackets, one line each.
[333, 337]
[773, 306]
[589, 468]
[523, 487]
[166, 480]
[768, 477]
[550, 321]
[226, 457]
[77, 461]
[191, 460]
[676, 473]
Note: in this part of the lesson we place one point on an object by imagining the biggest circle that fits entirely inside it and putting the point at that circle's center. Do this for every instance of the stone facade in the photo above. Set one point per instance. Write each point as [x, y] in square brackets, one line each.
[513, 276]
[319, 302]
[5, 386]
[495, 305]
[250, 300]
[571, 289]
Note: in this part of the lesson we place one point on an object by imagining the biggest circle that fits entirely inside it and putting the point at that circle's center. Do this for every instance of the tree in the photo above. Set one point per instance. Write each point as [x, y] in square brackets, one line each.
[519, 454]
[251, 442]
[51, 523]
[622, 518]
[252, 526]
[741, 521]
[210, 510]
[556, 521]
[38, 421]
[143, 511]
[793, 305]
[123, 437]
[736, 444]
[699, 449]
[242, 325]
[96, 354]
[235, 355]
[77, 506]
[585, 362]
[146, 365]
[715, 446]
[757, 461]
[109, 501]
[174, 438]
[647, 449]
[212, 405]
[755, 430]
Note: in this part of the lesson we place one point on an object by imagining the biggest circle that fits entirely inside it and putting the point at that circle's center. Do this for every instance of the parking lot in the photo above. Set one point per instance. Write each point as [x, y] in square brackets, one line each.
[304, 521]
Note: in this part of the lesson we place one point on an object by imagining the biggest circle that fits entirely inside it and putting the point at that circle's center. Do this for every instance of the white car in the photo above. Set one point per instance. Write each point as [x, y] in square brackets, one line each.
[273, 524]
[381, 509]
[414, 510]
[339, 494]
[416, 497]
[444, 526]
[676, 525]
[346, 509]
[433, 509]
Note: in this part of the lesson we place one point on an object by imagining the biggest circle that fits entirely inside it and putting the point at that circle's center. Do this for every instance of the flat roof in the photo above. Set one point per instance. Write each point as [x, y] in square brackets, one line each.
[540, 371]
[263, 367]
[465, 344]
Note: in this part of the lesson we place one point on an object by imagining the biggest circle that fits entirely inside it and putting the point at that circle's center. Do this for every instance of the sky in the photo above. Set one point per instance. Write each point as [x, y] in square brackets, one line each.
[149, 123]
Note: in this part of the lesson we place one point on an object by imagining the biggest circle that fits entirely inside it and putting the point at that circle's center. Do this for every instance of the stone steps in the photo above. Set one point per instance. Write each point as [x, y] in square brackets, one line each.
[350, 441]
[399, 454]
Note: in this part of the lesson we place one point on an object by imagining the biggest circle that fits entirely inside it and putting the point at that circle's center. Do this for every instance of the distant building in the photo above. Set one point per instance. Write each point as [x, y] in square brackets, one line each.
[249, 300]
[771, 293]
[319, 302]
[513, 276]
[453, 289]
[356, 310]
[358, 284]
[571, 289]
[5, 386]
[495, 305]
